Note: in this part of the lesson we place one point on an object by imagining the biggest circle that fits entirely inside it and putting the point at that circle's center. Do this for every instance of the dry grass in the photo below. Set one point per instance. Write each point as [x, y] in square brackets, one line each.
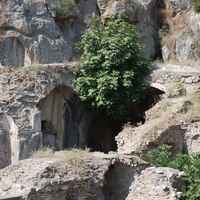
[36, 67]
[75, 155]
[78, 159]
[128, 125]
[43, 153]
[194, 110]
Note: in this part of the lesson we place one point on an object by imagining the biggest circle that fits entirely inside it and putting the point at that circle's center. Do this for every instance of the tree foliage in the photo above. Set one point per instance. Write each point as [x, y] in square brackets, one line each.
[189, 164]
[112, 66]
[196, 4]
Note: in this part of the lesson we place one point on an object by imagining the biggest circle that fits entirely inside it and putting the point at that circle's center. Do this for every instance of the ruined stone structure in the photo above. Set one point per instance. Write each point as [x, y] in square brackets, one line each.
[101, 177]
[39, 108]
[39, 101]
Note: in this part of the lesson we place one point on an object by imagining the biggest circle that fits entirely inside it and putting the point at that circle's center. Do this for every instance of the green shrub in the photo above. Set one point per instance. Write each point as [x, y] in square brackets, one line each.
[192, 177]
[160, 157]
[112, 66]
[64, 8]
[181, 88]
[183, 162]
[196, 4]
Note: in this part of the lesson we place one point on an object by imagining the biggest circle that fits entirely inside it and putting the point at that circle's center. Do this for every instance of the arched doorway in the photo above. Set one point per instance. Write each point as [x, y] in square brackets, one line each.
[64, 120]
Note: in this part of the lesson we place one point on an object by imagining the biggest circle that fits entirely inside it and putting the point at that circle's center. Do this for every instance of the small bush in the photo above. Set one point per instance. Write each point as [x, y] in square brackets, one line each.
[196, 4]
[192, 177]
[183, 162]
[181, 88]
[160, 157]
[64, 8]
[177, 89]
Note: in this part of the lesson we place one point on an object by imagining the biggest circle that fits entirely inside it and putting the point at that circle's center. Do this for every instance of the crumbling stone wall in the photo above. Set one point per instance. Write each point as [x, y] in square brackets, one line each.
[21, 92]
[157, 183]
[99, 177]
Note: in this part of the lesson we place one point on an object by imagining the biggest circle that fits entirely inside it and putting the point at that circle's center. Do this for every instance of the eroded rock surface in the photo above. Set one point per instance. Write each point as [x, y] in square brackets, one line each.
[157, 183]
[31, 32]
[24, 108]
[173, 120]
[34, 31]
[61, 177]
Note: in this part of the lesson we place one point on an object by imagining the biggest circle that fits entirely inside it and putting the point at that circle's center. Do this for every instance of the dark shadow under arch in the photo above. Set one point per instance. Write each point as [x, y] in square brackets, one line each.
[103, 128]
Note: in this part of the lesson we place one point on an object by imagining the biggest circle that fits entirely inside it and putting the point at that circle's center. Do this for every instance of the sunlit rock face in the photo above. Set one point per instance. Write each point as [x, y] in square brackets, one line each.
[31, 31]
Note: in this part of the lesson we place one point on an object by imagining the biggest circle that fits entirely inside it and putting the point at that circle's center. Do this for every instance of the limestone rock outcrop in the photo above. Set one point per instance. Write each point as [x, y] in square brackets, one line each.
[140, 139]
[179, 31]
[32, 32]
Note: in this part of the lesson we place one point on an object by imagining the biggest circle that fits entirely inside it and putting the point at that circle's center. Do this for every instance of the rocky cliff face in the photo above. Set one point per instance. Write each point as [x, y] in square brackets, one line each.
[179, 31]
[32, 32]
[35, 31]
[39, 108]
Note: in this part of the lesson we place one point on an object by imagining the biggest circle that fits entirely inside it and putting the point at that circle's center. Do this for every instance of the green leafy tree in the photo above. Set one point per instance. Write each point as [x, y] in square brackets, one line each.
[192, 177]
[189, 164]
[160, 157]
[112, 66]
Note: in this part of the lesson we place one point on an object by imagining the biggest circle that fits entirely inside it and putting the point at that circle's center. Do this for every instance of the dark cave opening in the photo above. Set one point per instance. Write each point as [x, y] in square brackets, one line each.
[66, 124]
[103, 128]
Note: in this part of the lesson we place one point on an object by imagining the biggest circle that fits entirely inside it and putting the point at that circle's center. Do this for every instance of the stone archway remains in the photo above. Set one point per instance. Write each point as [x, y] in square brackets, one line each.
[65, 122]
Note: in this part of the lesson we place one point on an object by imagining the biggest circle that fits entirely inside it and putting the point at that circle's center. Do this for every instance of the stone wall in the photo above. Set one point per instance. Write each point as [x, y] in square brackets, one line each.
[175, 73]
[24, 106]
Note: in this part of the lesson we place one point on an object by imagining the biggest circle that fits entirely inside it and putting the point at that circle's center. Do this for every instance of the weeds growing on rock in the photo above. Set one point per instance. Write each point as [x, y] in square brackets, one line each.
[43, 153]
[177, 89]
[75, 155]
[179, 86]
[196, 5]
[64, 8]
